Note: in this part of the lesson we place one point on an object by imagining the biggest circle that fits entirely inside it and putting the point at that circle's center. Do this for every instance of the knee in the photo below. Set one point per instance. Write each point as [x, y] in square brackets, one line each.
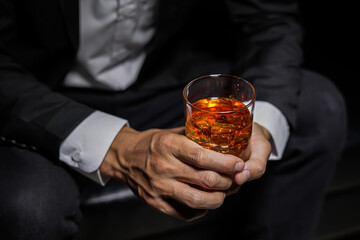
[331, 103]
[332, 107]
[33, 213]
[33, 205]
[326, 110]
[25, 213]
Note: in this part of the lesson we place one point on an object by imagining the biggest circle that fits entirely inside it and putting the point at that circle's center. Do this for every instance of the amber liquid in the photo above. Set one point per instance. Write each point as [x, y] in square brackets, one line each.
[222, 124]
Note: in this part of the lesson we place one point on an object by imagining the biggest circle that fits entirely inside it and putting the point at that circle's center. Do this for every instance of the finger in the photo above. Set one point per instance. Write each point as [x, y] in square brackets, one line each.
[165, 196]
[255, 166]
[242, 177]
[234, 189]
[195, 155]
[184, 212]
[205, 179]
[174, 208]
[196, 198]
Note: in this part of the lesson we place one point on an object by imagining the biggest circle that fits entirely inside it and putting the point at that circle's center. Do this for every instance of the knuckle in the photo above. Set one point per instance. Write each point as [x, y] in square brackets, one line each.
[259, 171]
[157, 186]
[165, 139]
[197, 155]
[211, 179]
[162, 168]
[196, 200]
[159, 166]
[158, 141]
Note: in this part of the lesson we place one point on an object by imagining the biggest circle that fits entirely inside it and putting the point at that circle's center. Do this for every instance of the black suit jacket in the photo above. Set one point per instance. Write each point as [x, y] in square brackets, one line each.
[39, 40]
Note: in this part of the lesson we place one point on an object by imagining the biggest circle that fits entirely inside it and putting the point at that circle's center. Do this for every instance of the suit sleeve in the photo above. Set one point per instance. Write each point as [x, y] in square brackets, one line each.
[31, 113]
[269, 52]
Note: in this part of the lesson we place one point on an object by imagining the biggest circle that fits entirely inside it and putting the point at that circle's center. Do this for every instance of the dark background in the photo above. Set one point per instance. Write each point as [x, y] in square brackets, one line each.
[331, 48]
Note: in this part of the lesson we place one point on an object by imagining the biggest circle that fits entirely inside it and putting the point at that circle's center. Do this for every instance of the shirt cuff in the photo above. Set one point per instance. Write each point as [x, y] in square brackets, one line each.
[86, 146]
[270, 117]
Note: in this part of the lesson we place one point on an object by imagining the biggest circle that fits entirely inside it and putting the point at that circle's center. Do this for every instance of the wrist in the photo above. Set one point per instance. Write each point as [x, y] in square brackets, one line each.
[264, 132]
[111, 165]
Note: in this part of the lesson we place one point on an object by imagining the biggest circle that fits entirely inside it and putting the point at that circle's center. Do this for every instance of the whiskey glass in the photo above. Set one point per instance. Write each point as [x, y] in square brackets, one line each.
[219, 112]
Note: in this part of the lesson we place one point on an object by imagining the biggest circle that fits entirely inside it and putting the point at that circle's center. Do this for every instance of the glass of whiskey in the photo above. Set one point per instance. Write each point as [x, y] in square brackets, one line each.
[219, 112]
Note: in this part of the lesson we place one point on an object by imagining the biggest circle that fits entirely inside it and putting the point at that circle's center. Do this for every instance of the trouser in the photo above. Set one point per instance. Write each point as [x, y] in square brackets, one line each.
[285, 202]
[40, 199]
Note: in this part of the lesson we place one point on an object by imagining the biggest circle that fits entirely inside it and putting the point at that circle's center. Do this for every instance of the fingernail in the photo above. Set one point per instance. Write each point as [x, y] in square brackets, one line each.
[239, 166]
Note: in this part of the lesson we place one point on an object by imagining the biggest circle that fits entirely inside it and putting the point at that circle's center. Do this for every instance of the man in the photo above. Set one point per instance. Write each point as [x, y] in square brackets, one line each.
[77, 79]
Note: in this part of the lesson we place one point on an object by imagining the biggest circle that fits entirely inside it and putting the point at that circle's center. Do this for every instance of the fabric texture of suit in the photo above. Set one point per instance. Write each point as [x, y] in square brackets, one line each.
[257, 40]
[39, 40]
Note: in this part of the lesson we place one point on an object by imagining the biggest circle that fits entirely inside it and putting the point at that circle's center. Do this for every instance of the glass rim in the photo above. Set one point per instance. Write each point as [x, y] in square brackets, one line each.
[247, 106]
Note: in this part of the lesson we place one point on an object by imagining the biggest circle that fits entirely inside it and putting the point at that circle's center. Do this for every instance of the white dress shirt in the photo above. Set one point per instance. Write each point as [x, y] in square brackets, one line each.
[113, 34]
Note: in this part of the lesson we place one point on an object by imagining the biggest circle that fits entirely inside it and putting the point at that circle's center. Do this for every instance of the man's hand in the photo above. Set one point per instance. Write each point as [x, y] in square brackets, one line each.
[172, 173]
[255, 156]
